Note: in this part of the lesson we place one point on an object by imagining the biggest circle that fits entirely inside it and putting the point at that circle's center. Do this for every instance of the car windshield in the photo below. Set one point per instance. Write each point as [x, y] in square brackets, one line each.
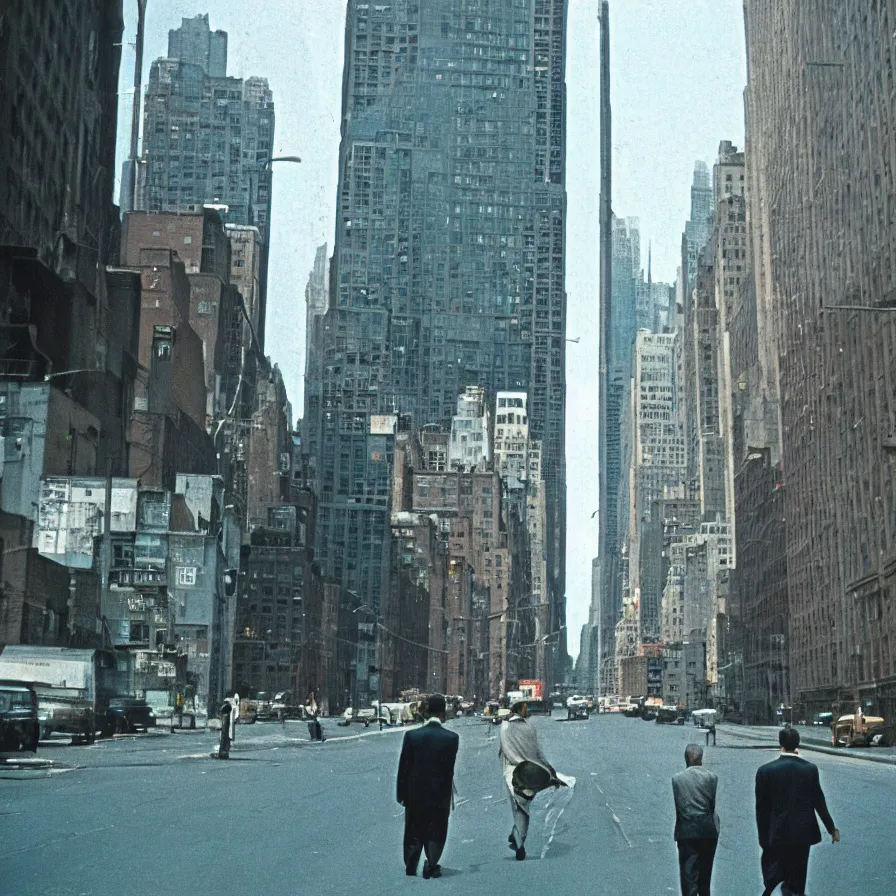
[14, 699]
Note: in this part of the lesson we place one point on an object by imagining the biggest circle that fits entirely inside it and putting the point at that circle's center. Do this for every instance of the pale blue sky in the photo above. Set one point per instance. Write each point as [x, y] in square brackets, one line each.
[678, 76]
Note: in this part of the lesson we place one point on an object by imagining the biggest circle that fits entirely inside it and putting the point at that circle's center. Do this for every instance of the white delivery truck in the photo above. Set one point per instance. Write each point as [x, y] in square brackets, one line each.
[73, 686]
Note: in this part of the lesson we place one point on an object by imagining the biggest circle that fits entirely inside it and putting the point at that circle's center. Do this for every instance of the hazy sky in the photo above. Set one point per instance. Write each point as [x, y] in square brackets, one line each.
[677, 78]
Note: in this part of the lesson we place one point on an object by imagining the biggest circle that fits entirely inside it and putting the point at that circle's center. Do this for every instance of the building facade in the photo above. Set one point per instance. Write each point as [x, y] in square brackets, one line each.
[448, 257]
[208, 139]
[820, 95]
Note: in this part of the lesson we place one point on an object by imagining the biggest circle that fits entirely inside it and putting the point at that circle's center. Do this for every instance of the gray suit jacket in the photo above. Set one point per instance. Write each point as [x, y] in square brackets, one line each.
[695, 804]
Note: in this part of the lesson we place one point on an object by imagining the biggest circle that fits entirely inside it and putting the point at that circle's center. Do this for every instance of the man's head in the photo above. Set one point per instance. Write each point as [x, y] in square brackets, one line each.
[436, 707]
[521, 709]
[693, 755]
[789, 739]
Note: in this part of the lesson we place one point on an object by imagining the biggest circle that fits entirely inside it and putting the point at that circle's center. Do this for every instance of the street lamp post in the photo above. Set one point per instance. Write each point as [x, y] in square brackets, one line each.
[378, 625]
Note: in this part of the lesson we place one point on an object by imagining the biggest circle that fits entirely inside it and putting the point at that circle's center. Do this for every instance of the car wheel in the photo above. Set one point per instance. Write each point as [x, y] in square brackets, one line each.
[122, 727]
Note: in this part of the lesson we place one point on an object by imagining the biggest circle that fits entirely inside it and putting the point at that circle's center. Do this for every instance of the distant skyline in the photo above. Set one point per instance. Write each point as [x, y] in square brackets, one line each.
[677, 83]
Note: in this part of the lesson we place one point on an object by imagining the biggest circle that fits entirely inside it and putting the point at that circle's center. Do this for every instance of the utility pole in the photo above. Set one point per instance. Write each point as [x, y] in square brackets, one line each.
[106, 561]
[379, 668]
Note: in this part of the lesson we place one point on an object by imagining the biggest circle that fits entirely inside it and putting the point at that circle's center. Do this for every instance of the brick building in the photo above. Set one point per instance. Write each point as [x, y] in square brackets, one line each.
[208, 138]
[68, 323]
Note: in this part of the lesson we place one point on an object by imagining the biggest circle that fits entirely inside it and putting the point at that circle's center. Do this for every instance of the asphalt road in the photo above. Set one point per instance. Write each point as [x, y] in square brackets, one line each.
[156, 815]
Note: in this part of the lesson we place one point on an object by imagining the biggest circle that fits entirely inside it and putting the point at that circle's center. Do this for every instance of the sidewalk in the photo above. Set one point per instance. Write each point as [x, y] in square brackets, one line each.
[811, 738]
[266, 735]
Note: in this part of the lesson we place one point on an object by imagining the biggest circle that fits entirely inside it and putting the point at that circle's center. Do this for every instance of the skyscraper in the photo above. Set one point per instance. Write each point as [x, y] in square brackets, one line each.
[697, 227]
[207, 138]
[448, 259]
[620, 329]
[825, 290]
[600, 597]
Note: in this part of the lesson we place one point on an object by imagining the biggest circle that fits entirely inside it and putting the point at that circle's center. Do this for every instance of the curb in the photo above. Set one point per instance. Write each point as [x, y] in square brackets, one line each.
[27, 764]
[247, 746]
[818, 748]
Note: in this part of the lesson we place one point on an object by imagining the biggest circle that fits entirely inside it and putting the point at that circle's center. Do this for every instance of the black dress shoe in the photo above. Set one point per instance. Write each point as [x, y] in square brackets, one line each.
[427, 871]
[520, 853]
[436, 871]
[410, 872]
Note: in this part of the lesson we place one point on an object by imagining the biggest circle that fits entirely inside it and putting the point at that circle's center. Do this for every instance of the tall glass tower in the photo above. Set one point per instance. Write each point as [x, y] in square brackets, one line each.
[448, 267]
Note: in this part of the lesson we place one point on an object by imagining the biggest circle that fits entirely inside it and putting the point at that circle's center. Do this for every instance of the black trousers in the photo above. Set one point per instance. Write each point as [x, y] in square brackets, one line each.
[786, 865]
[425, 828]
[695, 858]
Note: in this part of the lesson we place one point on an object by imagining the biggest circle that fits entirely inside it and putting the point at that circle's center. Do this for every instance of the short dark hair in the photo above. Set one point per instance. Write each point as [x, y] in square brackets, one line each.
[693, 755]
[435, 705]
[789, 739]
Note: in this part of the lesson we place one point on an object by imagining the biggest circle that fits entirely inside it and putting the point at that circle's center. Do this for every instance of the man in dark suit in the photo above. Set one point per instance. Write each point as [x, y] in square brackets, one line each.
[425, 786]
[696, 822]
[788, 794]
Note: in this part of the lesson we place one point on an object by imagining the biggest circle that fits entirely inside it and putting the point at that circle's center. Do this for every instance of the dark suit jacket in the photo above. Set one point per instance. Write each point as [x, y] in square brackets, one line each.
[788, 794]
[695, 804]
[426, 767]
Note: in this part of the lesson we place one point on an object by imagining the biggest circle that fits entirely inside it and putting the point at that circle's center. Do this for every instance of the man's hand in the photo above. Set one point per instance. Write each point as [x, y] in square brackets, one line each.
[835, 836]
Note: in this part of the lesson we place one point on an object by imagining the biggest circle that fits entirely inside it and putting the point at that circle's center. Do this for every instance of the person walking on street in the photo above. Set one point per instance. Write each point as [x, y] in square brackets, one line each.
[788, 796]
[526, 772]
[696, 822]
[425, 786]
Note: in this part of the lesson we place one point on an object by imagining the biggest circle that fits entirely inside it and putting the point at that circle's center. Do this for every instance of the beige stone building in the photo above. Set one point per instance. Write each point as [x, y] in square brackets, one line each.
[821, 116]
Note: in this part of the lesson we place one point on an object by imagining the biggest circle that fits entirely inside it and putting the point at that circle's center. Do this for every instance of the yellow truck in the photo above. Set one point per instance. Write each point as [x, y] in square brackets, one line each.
[854, 730]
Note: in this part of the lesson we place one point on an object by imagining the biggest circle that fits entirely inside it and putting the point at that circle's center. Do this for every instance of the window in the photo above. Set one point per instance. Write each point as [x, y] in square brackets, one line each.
[186, 575]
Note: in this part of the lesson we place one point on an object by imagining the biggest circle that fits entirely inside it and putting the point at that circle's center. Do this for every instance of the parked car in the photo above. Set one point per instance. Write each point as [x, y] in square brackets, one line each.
[823, 718]
[882, 736]
[19, 725]
[125, 715]
[669, 715]
[704, 718]
[495, 713]
[65, 712]
[364, 716]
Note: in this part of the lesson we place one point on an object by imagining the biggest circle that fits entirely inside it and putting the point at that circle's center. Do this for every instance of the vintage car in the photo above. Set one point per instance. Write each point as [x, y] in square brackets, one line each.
[668, 715]
[854, 730]
[398, 713]
[704, 718]
[495, 713]
[19, 725]
[577, 707]
[882, 736]
[125, 715]
[364, 716]
[65, 712]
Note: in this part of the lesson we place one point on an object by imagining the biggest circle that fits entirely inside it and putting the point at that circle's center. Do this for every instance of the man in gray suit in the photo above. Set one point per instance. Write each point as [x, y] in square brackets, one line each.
[696, 822]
